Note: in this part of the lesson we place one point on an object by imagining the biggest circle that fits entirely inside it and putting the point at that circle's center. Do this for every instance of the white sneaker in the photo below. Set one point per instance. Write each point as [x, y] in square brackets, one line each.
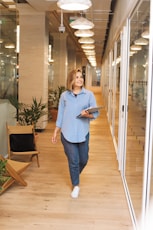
[75, 192]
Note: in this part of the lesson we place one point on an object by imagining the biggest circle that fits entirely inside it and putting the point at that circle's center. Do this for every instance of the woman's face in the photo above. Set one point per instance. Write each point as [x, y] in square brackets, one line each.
[78, 82]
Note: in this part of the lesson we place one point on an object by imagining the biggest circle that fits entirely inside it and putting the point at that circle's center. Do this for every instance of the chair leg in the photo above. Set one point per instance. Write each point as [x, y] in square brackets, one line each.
[15, 175]
[37, 159]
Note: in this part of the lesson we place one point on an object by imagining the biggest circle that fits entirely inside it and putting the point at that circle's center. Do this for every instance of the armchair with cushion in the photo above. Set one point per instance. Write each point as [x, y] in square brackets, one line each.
[21, 141]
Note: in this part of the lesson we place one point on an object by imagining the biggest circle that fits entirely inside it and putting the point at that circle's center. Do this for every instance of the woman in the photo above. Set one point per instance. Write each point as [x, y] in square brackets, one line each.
[75, 131]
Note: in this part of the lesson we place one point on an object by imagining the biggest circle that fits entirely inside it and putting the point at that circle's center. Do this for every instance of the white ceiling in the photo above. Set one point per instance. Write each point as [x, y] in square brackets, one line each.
[100, 14]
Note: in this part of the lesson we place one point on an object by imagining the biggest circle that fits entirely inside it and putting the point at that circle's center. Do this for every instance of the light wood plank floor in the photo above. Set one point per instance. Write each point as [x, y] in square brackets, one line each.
[46, 203]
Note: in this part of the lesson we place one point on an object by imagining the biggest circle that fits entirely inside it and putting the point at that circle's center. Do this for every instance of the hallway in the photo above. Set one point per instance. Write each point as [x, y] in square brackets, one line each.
[46, 203]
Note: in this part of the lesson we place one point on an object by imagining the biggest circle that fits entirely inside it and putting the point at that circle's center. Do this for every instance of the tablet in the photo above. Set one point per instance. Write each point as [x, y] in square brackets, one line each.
[92, 110]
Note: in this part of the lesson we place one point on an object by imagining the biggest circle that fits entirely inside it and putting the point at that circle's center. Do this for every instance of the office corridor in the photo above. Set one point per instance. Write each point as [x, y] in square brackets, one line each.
[46, 202]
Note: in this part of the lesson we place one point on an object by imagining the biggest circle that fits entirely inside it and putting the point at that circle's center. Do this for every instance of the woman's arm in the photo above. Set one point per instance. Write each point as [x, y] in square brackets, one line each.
[86, 114]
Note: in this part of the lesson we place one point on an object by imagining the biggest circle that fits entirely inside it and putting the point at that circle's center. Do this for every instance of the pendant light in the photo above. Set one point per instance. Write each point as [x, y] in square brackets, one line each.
[88, 46]
[82, 23]
[89, 51]
[91, 58]
[141, 42]
[84, 33]
[9, 46]
[132, 52]
[74, 5]
[145, 34]
[136, 47]
[86, 41]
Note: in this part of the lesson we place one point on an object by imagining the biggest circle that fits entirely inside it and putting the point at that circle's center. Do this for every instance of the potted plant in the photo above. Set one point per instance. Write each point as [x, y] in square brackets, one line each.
[29, 114]
[53, 100]
[3, 174]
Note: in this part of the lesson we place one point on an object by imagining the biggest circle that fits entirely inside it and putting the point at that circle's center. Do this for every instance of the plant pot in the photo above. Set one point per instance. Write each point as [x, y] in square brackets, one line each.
[54, 112]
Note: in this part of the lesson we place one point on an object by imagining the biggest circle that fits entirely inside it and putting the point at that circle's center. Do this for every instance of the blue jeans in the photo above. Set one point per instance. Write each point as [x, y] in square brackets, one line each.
[77, 155]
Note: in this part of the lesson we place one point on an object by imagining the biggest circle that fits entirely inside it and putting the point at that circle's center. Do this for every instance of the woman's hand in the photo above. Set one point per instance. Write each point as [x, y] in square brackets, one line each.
[86, 114]
[54, 137]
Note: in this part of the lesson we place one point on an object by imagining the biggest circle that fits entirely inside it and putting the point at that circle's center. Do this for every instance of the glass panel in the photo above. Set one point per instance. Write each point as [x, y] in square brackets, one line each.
[150, 154]
[117, 91]
[105, 80]
[96, 74]
[151, 186]
[137, 97]
[110, 105]
[8, 55]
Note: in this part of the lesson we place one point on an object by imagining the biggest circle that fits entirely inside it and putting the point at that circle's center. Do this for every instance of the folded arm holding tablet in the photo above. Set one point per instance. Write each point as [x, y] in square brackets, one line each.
[90, 111]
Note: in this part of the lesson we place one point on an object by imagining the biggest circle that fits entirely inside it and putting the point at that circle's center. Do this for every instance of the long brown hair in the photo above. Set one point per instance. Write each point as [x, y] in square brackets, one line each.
[71, 79]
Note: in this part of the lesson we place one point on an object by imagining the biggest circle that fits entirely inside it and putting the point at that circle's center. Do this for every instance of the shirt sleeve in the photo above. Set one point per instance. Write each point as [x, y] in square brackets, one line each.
[60, 112]
[92, 103]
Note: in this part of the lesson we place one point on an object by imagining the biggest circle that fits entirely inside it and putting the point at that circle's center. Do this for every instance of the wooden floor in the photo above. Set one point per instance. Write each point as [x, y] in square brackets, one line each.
[46, 203]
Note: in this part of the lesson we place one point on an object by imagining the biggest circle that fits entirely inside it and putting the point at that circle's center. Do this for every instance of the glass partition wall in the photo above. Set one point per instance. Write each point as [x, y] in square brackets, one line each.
[117, 92]
[137, 98]
[125, 88]
[105, 81]
[8, 52]
[147, 206]
[128, 93]
[111, 88]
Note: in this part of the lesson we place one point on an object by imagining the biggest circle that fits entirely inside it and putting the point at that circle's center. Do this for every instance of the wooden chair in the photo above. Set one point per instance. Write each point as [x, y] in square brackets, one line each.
[21, 141]
[13, 171]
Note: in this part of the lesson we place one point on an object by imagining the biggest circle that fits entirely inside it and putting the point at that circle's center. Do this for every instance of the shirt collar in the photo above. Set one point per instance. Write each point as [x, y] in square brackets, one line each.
[83, 91]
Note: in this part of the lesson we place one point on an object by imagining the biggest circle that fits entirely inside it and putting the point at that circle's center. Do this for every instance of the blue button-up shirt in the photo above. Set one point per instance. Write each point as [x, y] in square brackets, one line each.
[75, 129]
